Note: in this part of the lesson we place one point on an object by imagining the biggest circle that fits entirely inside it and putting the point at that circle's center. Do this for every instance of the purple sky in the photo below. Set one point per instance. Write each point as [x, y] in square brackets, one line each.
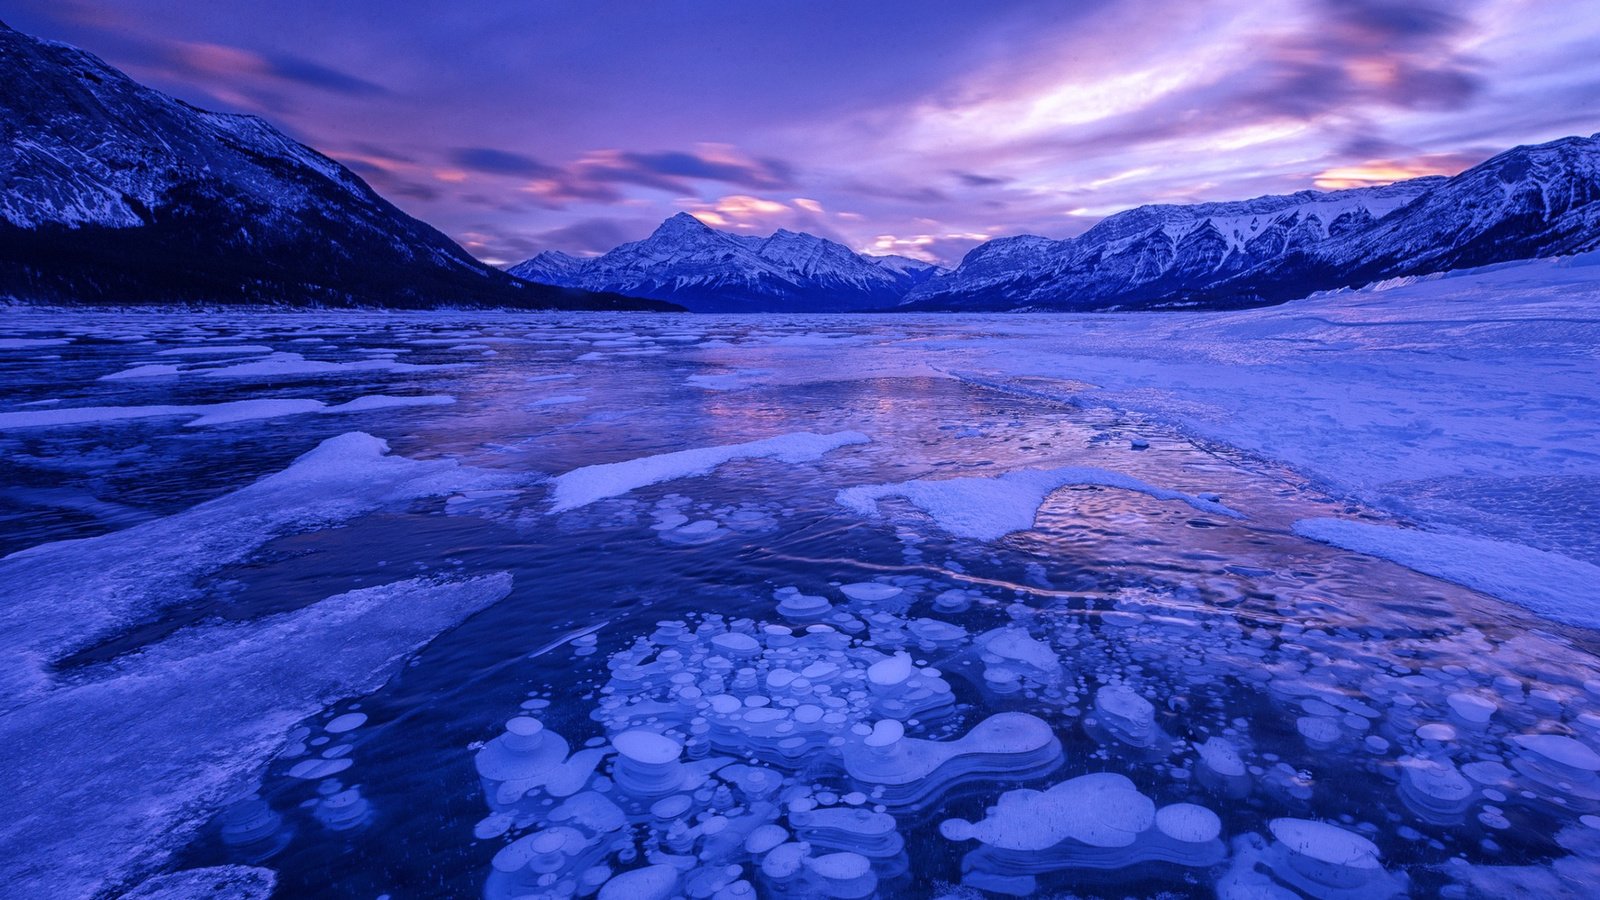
[912, 127]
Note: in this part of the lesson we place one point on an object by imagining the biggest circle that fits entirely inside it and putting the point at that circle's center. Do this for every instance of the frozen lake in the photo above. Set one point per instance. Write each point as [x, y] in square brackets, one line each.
[1282, 603]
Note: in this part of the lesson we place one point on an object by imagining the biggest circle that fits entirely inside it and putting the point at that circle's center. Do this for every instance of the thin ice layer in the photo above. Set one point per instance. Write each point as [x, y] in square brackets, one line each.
[987, 509]
[583, 486]
[1554, 586]
[67, 595]
[108, 776]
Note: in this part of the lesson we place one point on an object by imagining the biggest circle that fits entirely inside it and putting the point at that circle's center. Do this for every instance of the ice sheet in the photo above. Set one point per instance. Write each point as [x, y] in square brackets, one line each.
[107, 775]
[1554, 586]
[66, 595]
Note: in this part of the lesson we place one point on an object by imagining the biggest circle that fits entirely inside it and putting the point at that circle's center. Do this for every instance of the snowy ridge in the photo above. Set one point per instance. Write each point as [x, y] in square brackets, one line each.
[1151, 251]
[1529, 202]
[686, 261]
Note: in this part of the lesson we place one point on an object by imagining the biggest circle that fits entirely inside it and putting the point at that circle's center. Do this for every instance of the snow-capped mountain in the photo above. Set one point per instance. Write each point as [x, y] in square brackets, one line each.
[1146, 254]
[687, 262]
[113, 192]
[1527, 202]
[549, 267]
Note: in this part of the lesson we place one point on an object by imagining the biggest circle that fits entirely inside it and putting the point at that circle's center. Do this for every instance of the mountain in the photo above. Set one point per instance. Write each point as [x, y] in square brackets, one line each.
[1146, 255]
[1527, 202]
[549, 267]
[111, 192]
[685, 261]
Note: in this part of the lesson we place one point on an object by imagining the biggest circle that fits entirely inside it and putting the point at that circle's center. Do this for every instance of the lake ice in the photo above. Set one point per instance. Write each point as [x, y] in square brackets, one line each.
[1293, 602]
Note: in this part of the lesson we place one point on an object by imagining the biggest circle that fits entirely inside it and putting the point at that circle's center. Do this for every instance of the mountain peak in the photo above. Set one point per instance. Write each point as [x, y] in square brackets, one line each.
[681, 223]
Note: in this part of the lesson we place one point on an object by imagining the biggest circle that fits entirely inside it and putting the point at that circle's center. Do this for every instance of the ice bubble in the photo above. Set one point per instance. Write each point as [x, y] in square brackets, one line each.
[1434, 790]
[1098, 821]
[1127, 716]
[870, 591]
[252, 827]
[885, 733]
[659, 882]
[1326, 855]
[313, 769]
[1471, 710]
[343, 810]
[736, 645]
[1559, 749]
[1188, 823]
[764, 838]
[1561, 763]
[890, 672]
[647, 763]
[346, 722]
[953, 601]
[1222, 769]
[518, 760]
[1319, 732]
[1436, 731]
[802, 607]
[1014, 649]
[910, 771]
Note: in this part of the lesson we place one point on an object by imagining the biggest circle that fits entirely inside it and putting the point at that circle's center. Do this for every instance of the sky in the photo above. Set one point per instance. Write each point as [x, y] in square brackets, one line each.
[919, 128]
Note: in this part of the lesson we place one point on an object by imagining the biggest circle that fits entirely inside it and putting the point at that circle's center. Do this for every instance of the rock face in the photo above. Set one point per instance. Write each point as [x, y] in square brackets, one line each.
[687, 262]
[1527, 202]
[111, 192]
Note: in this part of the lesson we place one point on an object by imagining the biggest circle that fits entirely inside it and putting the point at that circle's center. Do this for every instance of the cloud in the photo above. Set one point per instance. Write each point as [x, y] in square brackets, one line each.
[304, 71]
[940, 249]
[595, 235]
[973, 179]
[220, 67]
[714, 163]
[1387, 171]
[491, 161]
[603, 176]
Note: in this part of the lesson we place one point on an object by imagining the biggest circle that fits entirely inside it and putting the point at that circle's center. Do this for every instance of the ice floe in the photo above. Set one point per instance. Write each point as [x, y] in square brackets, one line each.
[583, 486]
[988, 509]
[202, 415]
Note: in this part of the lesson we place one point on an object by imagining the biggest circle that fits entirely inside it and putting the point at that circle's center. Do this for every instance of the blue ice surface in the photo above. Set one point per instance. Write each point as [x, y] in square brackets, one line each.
[374, 653]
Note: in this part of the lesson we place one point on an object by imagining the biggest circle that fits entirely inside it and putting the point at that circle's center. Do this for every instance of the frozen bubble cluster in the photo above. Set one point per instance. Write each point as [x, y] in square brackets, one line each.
[1132, 742]
[1098, 821]
[744, 758]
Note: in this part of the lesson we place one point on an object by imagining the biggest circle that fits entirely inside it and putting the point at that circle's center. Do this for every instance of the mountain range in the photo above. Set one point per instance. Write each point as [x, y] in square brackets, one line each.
[112, 192]
[687, 262]
[1528, 202]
